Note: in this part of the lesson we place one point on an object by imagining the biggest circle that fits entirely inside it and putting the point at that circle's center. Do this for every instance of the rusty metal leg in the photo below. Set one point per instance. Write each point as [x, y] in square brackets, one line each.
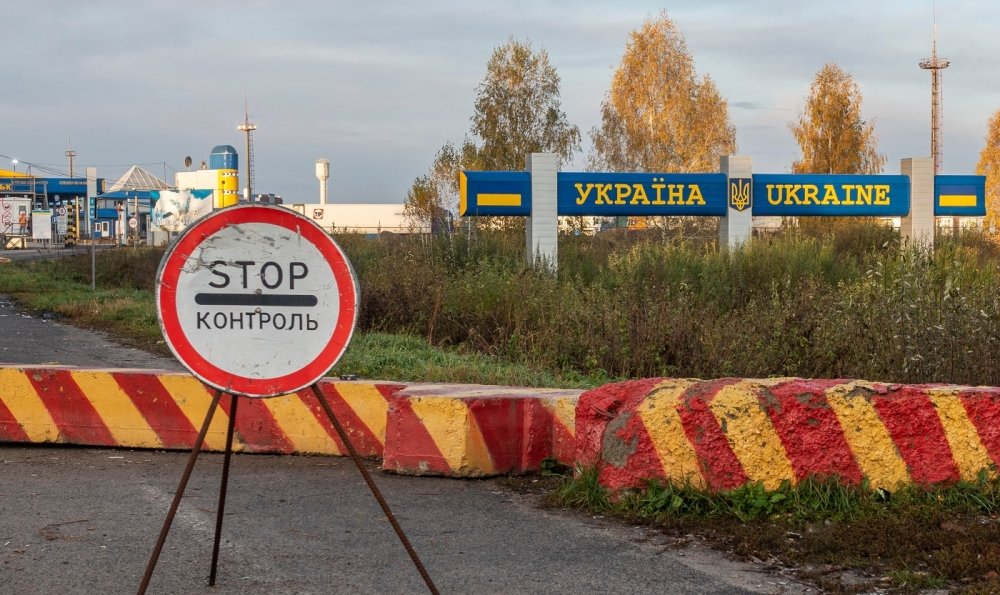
[178, 494]
[374, 489]
[222, 490]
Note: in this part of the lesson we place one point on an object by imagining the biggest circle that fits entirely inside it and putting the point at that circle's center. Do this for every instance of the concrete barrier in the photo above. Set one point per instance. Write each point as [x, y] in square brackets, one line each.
[473, 431]
[718, 434]
[155, 409]
[439, 429]
[721, 434]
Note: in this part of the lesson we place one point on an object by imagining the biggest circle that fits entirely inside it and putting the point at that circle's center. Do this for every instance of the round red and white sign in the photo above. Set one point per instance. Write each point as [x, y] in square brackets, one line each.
[256, 300]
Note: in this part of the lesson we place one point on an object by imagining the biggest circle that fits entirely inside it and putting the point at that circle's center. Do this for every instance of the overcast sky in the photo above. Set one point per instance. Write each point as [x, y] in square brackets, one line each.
[378, 87]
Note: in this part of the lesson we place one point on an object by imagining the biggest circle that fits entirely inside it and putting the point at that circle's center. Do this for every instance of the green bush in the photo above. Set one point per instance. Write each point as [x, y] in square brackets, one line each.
[854, 304]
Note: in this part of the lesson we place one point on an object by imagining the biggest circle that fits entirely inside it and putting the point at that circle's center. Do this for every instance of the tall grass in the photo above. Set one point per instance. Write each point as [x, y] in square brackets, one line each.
[627, 306]
[856, 304]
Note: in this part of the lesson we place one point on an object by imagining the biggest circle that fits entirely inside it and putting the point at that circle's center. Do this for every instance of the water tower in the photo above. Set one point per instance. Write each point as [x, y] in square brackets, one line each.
[322, 174]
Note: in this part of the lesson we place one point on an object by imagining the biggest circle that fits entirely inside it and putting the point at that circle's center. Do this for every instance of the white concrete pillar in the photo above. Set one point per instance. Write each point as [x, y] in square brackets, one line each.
[917, 228]
[735, 228]
[542, 226]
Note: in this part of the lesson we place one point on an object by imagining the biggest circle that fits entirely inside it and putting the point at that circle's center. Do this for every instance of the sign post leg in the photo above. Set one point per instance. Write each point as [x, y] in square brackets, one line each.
[178, 494]
[374, 489]
[222, 489]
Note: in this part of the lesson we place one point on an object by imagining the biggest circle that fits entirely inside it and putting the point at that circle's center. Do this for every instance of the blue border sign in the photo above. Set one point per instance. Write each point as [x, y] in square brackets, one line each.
[830, 195]
[641, 194]
[486, 193]
[959, 196]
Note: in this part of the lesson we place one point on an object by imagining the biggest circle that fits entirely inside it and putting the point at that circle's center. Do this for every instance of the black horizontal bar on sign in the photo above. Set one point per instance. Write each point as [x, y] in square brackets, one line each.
[254, 299]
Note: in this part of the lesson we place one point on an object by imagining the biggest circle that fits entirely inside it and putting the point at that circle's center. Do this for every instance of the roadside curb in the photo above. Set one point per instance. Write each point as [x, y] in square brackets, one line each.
[724, 433]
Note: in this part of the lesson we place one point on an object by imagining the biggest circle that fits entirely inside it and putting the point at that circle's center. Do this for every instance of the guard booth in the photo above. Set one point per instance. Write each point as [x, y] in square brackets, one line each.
[105, 225]
[15, 221]
[123, 215]
[24, 193]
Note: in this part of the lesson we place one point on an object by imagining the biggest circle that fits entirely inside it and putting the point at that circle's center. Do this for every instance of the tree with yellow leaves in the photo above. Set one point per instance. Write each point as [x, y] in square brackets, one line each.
[832, 135]
[834, 139]
[517, 111]
[989, 166]
[659, 115]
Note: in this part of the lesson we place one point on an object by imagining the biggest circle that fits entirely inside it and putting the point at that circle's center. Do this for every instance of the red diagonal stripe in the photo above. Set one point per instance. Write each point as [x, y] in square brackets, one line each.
[809, 430]
[983, 408]
[256, 426]
[916, 429]
[537, 432]
[10, 428]
[159, 409]
[362, 438]
[76, 418]
[408, 445]
[641, 463]
[719, 465]
[500, 421]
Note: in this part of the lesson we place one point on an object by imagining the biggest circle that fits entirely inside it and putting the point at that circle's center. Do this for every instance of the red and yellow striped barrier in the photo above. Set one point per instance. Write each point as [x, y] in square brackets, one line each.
[472, 431]
[148, 409]
[451, 430]
[724, 433]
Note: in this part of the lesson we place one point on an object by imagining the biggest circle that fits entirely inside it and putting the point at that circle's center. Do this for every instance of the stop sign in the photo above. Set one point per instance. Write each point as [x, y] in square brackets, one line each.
[256, 300]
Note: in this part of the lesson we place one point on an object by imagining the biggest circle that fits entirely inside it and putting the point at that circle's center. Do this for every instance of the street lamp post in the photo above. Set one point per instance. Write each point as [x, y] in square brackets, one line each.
[13, 162]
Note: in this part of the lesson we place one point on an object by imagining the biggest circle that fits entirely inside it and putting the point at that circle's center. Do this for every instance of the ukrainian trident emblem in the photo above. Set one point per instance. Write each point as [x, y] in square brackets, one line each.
[739, 194]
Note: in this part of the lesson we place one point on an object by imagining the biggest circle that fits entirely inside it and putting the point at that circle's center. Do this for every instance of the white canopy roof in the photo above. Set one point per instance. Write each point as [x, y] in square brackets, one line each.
[137, 178]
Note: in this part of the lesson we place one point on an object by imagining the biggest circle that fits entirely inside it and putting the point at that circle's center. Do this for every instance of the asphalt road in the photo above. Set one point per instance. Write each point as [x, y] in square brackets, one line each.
[83, 520]
[38, 250]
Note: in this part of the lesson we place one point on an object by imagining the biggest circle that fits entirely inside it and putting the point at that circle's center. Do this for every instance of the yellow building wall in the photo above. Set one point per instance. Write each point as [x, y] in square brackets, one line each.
[228, 193]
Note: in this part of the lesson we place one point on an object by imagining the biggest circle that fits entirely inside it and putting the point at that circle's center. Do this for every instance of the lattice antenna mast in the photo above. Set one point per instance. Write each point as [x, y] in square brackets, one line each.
[935, 65]
[248, 127]
[70, 154]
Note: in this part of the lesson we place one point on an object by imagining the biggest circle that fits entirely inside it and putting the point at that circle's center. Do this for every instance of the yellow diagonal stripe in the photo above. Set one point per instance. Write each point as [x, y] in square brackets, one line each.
[477, 455]
[454, 432]
[966, 448]
[867, 436]
[26, 406]
[498, 200]
[751, 435]
[564, 410]
[368, 404]
[663, 424]
[300, 426]
[127, 425]
[193, 398]
[958, 200]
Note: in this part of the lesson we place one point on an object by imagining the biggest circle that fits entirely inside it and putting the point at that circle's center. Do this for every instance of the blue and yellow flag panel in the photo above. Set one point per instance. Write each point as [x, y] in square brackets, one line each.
[788, 195]
[959, 196]
[641, 194]
[662, 194]
[485, 193]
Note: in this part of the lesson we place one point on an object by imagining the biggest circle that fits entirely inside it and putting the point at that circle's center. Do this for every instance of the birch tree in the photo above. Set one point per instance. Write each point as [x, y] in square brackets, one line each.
[659, 115]
[832, 135]
[989, 166]
[517, 111]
